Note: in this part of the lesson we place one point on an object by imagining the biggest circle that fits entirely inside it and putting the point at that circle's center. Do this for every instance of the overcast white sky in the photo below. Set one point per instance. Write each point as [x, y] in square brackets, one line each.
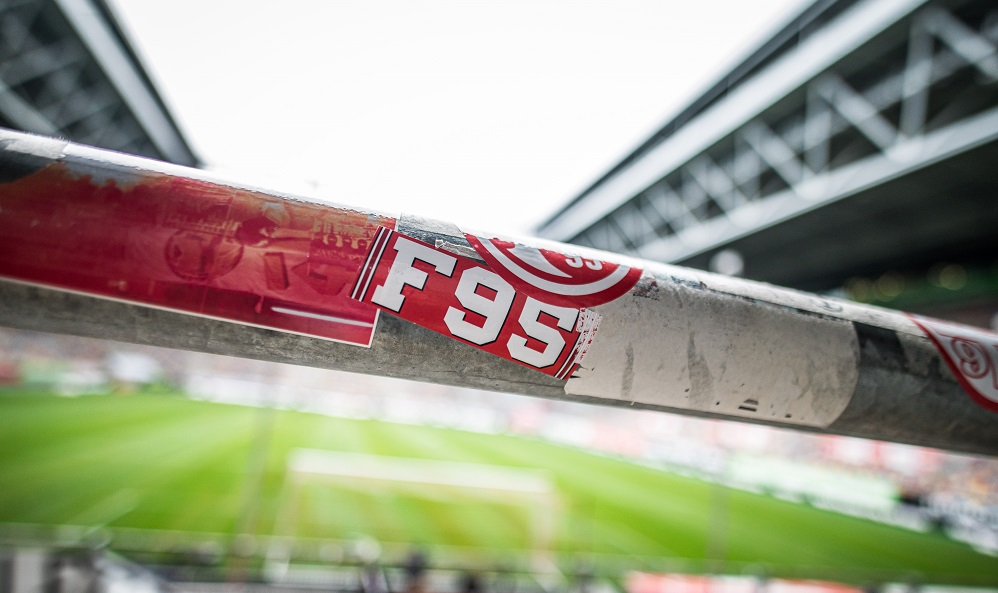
[488, 114]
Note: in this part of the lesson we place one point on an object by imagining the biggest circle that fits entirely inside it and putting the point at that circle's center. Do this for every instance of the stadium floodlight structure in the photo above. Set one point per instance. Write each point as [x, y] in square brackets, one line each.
[106, 245]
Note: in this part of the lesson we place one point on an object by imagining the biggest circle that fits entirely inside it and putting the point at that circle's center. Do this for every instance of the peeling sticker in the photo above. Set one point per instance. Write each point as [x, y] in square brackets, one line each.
[553, 277]
[458, 297]
[192, 247]
[675, 346]
[972, 355]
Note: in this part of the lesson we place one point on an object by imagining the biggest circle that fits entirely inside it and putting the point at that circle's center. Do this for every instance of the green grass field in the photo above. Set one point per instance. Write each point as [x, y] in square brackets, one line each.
[167, 463]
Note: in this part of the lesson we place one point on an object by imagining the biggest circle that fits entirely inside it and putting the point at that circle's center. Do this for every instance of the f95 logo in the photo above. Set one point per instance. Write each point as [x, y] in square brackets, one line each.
[460, 298]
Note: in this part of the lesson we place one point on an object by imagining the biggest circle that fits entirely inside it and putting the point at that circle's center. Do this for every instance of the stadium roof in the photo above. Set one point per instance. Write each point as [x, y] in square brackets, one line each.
[852, 146]
[810, 20]
[68, 69]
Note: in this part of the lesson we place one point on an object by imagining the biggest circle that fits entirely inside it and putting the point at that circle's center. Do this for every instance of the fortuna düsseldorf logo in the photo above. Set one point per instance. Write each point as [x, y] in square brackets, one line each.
[459, 297]
[566, 280]
[972, 355]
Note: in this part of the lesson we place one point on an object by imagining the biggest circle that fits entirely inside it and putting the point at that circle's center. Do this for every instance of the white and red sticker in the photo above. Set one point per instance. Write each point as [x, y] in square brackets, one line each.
[566, 280]
[458, 297]
[972, 355]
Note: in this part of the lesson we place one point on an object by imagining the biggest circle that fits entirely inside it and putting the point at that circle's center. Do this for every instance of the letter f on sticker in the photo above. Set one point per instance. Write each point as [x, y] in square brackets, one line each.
[403, 273]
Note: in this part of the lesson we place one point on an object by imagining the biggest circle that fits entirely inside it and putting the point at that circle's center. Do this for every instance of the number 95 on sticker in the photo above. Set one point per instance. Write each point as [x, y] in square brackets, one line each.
[461, 298]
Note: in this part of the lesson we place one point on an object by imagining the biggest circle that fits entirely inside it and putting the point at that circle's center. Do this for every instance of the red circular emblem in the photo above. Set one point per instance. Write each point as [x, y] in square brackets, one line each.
[553, 277]
[972, 355]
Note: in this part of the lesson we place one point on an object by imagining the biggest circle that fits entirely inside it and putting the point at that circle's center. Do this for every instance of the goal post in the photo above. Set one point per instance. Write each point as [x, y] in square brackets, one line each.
[532, 490]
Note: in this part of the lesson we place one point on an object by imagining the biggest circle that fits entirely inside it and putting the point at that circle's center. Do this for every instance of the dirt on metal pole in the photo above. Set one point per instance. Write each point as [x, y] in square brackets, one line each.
[100, 244]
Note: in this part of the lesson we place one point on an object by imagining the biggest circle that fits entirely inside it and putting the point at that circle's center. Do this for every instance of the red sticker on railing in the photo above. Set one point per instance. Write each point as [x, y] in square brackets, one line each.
[190, 246]
[972, 355]
[460, 298]
[570, 281]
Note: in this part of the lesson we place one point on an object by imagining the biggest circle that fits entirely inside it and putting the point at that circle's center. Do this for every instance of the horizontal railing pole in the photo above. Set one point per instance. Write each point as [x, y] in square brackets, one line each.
[99, 244]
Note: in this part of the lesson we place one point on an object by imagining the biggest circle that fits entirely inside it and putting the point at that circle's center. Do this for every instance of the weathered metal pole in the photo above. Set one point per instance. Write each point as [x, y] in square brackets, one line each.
[100, 244]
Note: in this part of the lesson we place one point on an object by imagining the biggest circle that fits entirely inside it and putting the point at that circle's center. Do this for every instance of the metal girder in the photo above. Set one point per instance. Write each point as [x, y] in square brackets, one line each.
[65, 70]
[95, 33]
[16, 109]
[824, 123]
[903, 158]
[101, 244]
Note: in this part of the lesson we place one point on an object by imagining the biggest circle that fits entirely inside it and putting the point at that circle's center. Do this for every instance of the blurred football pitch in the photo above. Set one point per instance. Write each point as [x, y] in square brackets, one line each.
[164, 464]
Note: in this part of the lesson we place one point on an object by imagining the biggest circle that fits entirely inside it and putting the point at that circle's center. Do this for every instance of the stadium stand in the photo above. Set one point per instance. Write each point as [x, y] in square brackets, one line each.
[907, 71]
